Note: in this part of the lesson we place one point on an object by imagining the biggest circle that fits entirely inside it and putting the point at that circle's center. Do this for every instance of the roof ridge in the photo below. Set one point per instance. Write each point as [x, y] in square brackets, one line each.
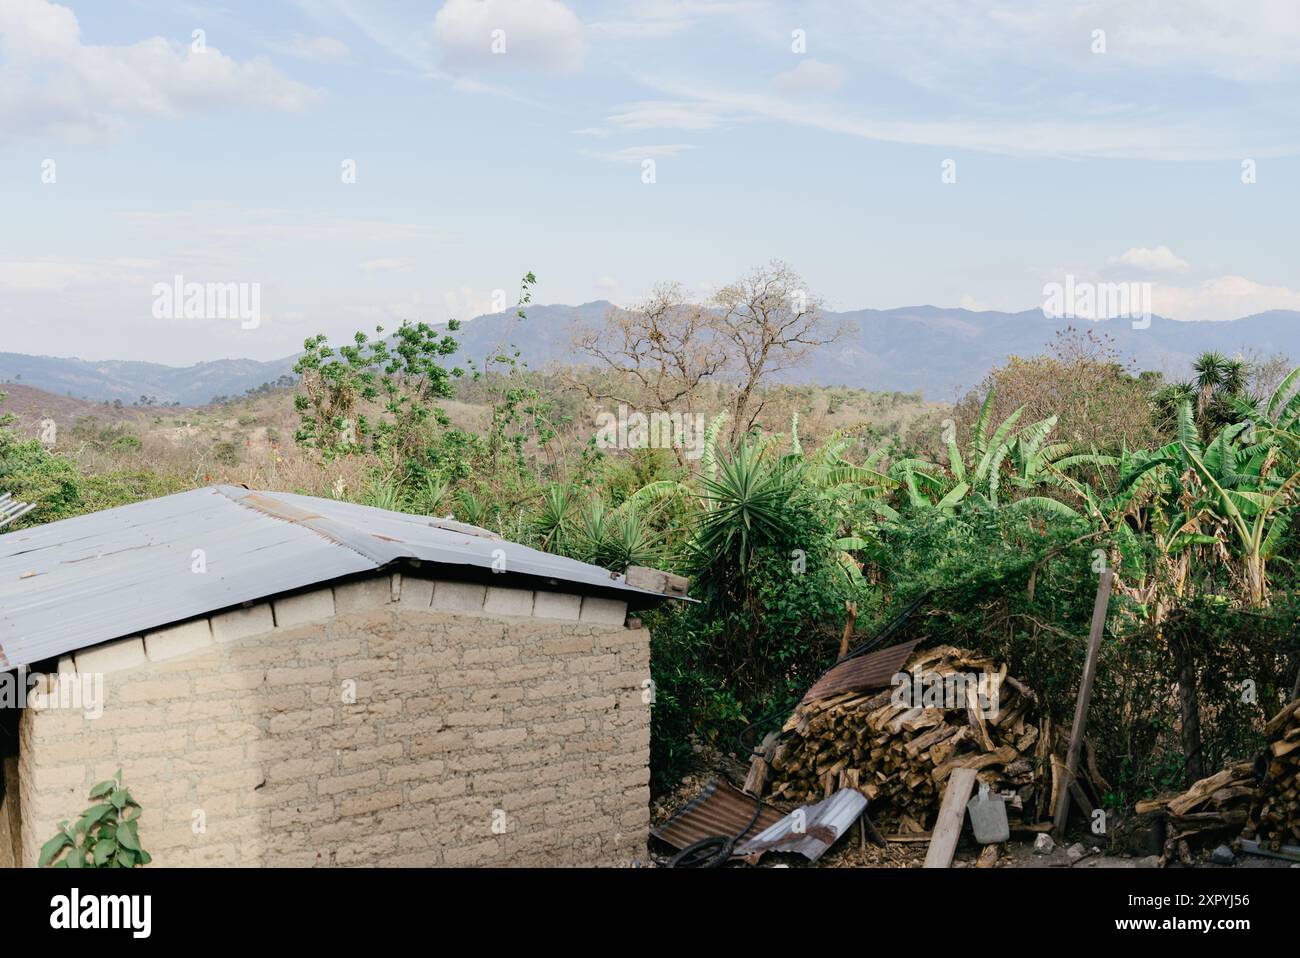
[339, 533]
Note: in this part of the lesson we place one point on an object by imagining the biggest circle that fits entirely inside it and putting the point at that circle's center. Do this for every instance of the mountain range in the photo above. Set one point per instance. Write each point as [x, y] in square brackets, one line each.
[935, 351]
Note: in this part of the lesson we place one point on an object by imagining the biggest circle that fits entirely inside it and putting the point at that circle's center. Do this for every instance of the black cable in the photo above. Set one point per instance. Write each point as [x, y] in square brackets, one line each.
[887, 630]
[890, 627]
[715, 850]
[701, 854]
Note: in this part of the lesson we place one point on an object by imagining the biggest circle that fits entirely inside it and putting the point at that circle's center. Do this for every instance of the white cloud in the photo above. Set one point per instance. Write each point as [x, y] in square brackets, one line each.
[53, 275]
[52, 83]
[1244, 43]
[319, 49]
[536, 33]
[636, 154]
[391, 265]
[666, 114]
[468, 303]
[1161, 259]
[810, 76]
[1055, 134]
[1222, 298]
[1021, 79]
[973, 304]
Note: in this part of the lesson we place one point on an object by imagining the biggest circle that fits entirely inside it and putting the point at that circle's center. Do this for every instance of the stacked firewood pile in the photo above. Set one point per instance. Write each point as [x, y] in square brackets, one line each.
[1275, 817]
[900, 745]
[1215, 807]
[1236, 800]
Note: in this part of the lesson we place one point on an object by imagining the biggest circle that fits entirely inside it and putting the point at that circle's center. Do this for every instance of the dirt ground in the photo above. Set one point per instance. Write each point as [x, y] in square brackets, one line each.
[1077, 851]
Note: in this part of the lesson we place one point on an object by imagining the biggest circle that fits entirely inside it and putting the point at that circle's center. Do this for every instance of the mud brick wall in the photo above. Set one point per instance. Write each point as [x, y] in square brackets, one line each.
[387, 721]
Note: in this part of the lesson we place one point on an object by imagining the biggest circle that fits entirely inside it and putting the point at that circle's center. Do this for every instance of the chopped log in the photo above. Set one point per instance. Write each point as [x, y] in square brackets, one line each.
[1201, 790]
[988, 856]
[947, 829]
[905, 752]
[1282, 719]
[1214, 808]
[1098, 782]
[852, 609]
[976, 717]
[933, 737]
[974, 763]
[1274, 817]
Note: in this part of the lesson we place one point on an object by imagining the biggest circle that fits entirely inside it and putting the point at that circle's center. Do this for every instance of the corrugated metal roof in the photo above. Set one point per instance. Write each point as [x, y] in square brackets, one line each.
[871, 671]
[820, 825]
[81, 581]
[719, 810]
[11, 509]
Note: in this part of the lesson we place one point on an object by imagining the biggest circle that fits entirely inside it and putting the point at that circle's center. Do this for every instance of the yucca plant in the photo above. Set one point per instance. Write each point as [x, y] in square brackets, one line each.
[429, 497]
[747, 503]
[614, 538]
[470, 508]
[552, 524]
[384, 495]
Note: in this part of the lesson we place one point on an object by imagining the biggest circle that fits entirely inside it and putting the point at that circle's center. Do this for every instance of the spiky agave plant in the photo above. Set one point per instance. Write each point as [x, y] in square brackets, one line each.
[749, 502]
[552, 524]
[471, 509]
[613, 538]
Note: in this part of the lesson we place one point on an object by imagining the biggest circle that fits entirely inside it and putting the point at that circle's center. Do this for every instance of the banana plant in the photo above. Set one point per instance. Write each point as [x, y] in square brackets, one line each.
[664, 491]
[976, 475]
[1257, 505]
[1277, 418]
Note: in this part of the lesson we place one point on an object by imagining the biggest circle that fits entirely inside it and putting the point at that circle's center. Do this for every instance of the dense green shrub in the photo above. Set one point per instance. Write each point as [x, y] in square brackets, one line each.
[59, 490]
[980, 568]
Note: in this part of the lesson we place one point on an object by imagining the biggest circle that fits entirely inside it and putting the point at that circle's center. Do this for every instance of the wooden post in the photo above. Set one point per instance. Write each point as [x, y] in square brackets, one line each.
[1081, 704]
[852, 609]
[952, 812]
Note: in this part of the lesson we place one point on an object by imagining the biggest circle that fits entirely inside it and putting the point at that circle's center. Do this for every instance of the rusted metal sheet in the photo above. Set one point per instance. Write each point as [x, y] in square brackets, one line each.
[863, 673]
[718, 810]
[809, 831]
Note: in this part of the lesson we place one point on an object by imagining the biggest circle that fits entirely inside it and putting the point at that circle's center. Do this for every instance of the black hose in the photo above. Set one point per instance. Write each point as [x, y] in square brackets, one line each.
[887, 630]
[716, 850]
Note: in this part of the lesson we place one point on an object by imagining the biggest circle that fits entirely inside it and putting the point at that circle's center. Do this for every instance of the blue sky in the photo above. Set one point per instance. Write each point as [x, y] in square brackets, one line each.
[1106, 156]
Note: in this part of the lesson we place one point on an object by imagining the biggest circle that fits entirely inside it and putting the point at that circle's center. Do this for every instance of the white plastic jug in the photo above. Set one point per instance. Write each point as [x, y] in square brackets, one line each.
[988, 817]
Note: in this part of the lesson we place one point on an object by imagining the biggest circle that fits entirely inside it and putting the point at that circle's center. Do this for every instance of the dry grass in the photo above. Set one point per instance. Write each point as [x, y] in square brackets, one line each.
[250, 441]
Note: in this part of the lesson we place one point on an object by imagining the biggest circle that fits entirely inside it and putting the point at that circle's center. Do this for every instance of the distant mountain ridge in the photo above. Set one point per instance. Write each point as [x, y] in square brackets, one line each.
[929, 349]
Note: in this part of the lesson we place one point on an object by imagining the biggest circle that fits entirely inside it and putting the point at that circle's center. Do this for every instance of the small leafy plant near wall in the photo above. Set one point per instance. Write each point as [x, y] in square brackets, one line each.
[105, 836]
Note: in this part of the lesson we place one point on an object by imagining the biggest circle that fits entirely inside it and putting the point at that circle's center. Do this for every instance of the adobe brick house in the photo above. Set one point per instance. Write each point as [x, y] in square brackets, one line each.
[296, 681]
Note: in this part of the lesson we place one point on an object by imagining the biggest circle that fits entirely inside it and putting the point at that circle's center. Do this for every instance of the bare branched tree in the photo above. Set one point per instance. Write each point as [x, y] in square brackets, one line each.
[767, 322]
[661, 350]
[666, 350]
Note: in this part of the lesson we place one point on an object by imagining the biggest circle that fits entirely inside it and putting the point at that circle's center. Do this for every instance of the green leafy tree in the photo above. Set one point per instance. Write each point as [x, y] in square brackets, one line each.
[375, 395]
